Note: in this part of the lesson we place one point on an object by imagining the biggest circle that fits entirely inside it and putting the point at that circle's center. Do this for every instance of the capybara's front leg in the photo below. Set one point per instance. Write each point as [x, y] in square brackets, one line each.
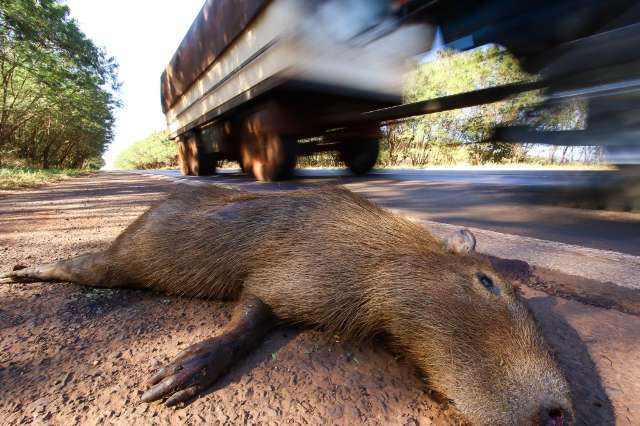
[200, 365]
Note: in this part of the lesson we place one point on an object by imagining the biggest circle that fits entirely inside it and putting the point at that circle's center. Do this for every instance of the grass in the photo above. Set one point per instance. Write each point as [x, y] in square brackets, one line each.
[30, 177]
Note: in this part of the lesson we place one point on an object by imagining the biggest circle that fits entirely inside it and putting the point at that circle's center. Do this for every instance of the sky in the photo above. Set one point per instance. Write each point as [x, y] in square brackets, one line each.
[142, 35]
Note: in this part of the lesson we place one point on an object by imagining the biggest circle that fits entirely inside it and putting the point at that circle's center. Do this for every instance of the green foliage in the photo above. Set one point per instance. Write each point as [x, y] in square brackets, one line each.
[153, 152]
[57, 89]
[460, 136]
[320, 159]
[454, 136]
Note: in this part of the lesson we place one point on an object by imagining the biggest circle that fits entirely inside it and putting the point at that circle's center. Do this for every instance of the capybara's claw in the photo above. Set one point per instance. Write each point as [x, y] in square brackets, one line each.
[33, 274]
[21, 275]
[8, 278]
[182, 396]
[194, 370]
[167, 386]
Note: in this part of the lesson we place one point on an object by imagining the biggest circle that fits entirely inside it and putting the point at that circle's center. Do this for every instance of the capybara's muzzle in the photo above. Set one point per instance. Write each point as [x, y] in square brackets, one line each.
[554, 417]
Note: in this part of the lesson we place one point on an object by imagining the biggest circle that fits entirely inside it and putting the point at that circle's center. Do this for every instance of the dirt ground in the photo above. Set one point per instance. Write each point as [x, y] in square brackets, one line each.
[71, 355]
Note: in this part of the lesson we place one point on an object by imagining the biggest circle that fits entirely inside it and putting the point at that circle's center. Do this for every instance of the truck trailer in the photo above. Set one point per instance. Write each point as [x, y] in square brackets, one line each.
[264, 81]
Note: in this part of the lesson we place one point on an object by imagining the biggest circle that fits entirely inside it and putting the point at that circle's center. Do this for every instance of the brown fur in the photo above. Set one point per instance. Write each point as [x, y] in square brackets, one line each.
[326, 257]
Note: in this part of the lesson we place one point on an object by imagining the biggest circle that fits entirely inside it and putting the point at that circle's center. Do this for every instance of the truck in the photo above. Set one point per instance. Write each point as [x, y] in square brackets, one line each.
[262, 82]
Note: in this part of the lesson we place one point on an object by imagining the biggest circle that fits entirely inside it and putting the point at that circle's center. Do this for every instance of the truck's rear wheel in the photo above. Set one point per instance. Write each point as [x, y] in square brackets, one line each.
[360, 154]
[266, 150]
[268, 156]
[628, 183]
[184, 158]
[193, 160]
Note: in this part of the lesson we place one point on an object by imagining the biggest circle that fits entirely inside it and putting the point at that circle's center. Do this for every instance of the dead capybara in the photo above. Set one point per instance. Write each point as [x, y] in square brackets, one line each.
[329, 258]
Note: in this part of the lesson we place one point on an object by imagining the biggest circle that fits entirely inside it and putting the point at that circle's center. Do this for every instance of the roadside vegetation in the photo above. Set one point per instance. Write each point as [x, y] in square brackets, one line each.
[460, 136]
[58, 91]
[155, 151]
[30, 177]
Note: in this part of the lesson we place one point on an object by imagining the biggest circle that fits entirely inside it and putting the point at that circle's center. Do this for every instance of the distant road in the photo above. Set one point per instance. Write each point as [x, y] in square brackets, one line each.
[511, 210]
[508, 177]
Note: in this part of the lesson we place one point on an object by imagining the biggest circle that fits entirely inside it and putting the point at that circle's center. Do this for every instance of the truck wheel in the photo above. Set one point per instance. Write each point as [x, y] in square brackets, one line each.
[269, 156]
[183, 158]
[205, 165]
[360, 154]
[628, 188]
[193, 160]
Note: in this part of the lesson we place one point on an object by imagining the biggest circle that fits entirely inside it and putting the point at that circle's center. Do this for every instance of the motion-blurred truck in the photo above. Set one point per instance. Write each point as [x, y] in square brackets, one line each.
[261, 82]
[264, 81]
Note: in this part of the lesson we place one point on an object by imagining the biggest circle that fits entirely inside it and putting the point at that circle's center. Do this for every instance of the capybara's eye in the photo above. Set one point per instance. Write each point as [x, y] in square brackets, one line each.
[487, 283]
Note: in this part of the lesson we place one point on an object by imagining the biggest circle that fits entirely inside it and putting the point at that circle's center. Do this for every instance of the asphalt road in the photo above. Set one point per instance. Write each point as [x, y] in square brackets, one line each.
[516, 213]
[479, 176]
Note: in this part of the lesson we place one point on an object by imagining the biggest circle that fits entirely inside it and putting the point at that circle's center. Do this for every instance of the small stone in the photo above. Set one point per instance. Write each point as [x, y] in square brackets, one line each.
[40, 406]
[336, 411]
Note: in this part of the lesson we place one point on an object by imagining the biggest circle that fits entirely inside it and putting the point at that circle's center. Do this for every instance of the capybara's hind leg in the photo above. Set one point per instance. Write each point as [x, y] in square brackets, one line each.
[200, 365]
[87, 269]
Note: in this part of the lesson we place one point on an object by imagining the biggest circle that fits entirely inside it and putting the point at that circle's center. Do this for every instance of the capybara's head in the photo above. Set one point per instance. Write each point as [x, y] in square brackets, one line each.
[477, 343]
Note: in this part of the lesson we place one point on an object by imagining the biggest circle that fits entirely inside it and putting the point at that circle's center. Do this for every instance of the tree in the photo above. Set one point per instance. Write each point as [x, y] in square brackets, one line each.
[461, 135]
[435, 138]
[58, 92]
[153, 152]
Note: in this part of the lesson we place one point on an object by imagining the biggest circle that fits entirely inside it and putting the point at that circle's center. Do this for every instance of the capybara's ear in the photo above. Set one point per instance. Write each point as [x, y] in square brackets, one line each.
[516, 289]
[461, 241]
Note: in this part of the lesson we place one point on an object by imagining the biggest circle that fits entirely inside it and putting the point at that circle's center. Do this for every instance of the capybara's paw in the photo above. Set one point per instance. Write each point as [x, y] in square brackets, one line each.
[20, 274]
[194, 370]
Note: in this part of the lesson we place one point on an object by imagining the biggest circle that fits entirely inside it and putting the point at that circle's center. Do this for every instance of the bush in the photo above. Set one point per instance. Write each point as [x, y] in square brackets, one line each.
[29, 177]
[155, 151]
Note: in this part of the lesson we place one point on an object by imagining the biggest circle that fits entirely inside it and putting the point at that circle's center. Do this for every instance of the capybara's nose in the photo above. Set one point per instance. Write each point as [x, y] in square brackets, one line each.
[552, 417]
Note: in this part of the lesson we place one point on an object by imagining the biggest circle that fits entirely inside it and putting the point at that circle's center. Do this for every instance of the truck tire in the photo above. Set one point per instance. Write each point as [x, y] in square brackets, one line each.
[269, 156]
[360, 154]
[193, 160]
[183, 158]
[205, 165]
[628, 186]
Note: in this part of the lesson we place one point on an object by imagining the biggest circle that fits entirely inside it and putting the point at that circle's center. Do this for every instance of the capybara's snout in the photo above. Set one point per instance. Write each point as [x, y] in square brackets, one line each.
[555, 415]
